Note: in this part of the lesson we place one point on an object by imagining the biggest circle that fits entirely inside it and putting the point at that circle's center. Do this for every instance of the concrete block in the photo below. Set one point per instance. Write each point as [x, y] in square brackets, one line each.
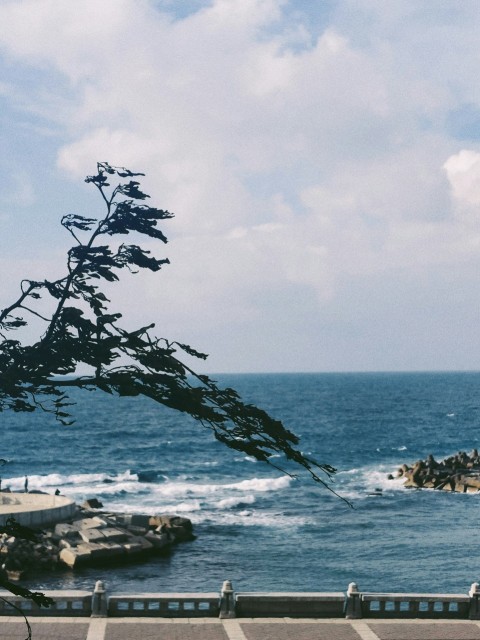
[74, 556]
[131, 548]
[138, 531]
[91, 535]
[64, 530]
[111, 534]
[145, 544]
[140, 521]
[90, 523]
[158, 540]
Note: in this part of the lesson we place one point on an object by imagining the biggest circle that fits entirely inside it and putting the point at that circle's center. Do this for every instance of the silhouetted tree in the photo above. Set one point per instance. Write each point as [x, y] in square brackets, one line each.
[81, 330]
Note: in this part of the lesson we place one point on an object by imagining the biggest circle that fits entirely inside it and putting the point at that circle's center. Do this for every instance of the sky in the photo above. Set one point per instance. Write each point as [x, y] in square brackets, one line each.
[322, 158]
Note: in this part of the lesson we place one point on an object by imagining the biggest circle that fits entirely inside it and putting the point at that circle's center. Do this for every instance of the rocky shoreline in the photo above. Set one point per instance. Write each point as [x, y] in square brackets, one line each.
[93, 536]
[459, 473]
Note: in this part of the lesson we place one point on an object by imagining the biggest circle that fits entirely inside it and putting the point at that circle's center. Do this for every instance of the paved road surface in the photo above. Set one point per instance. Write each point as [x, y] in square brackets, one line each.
[13, 628]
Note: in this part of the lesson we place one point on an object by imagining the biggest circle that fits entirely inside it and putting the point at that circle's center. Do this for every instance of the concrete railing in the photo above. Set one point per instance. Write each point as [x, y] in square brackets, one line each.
[412, 605]
[228, 604]
[305, 605]
[165, 605]
[67, 603]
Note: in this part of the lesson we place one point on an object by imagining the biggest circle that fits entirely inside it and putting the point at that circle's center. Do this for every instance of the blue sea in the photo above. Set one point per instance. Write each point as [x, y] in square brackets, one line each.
[255, 526]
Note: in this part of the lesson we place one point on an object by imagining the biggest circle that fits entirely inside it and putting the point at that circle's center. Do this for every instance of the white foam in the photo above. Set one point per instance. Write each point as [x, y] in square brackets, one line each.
[360, 482]
[183, 507]
[228, 503]
[123, 492]
[253, 517]
[261, 484]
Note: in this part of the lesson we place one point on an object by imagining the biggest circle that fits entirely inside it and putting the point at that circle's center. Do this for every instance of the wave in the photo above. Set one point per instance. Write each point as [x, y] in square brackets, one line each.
[124, 492]
[262, 484]
[360, 483]
[230, 503]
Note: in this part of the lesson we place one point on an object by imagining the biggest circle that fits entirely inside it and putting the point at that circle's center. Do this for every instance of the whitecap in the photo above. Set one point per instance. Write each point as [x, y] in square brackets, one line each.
[227, 503]
[261, 484]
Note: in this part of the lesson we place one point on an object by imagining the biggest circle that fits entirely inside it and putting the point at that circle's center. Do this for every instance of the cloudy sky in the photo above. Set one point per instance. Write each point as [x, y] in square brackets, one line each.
[322, 158]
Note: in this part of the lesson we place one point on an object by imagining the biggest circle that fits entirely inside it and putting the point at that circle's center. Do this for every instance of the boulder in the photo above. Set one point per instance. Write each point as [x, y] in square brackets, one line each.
[148, 476]
[92, 503]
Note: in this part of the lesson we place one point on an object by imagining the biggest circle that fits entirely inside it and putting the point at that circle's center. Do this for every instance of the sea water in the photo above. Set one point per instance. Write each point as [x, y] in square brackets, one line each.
[255, 526]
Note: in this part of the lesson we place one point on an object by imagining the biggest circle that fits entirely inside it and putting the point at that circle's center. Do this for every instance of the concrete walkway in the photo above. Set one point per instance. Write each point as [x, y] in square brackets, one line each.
[13, 628]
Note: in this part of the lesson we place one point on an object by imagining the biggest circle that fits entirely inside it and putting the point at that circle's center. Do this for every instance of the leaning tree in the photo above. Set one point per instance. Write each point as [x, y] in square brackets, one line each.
[81, 333]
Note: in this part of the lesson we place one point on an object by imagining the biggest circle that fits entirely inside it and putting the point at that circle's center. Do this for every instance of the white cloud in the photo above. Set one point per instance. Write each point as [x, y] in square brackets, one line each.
[463, 172]
[295, 161]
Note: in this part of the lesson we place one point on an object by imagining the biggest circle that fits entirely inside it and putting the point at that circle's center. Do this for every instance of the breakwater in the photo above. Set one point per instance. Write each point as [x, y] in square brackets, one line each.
[90, 537]
[459, 473]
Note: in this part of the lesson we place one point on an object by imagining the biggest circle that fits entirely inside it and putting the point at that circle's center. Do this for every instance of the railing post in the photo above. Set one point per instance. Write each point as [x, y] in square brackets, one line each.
[474, 593]
[353, 607]
[99, 601]
[227, 601]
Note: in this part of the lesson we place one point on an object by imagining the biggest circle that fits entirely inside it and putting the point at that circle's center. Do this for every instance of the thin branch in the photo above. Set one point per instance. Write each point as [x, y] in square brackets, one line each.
[35, 313]
[5, 312]
[14, 606]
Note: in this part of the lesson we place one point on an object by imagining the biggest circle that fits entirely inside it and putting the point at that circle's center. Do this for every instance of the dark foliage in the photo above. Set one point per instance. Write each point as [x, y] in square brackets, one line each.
[81, 330]
[14, 529]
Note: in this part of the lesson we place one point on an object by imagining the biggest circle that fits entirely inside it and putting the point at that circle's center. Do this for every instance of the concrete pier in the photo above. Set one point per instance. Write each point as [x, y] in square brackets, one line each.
[35, 509]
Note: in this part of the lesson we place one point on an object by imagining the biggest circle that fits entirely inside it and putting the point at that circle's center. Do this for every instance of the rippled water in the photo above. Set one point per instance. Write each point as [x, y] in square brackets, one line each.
[255, 526]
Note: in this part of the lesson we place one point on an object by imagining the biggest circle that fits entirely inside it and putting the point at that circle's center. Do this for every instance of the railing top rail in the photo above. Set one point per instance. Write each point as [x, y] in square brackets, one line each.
[165, 596]
[457, 597]
[57, 595]
[311, 595]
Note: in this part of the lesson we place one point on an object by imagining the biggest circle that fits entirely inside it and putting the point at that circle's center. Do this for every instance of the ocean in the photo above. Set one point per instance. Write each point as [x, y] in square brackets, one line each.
[255, 526]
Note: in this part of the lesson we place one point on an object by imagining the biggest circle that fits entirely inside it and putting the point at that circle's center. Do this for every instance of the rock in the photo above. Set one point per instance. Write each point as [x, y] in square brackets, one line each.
[92, 535]
[181, 528]
[92, 503]
[114, 535]
[75, 555]
[158, 540]
[148, 476]
[64, 530]
[14, 575]
[459, 473]
[132, 547]
[138, 531]
[140, 521]
[139, 540]
[105, 550]
[90, 523]
[95, 538]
